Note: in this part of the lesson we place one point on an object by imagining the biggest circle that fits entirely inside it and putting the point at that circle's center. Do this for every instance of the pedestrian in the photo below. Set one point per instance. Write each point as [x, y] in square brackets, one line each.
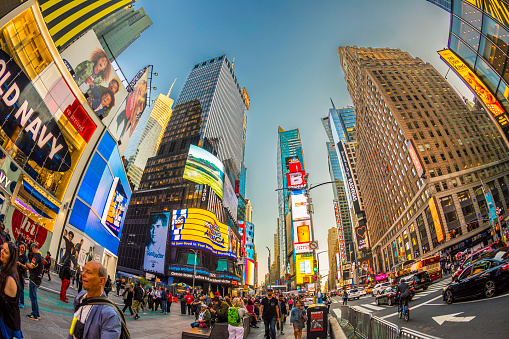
[65, 277]
[290, 303]
[203, 318]
[122, 285]
[10, 318]
[157, 298]
[95, 320]
[269, 312]
[150, 299]
[137, 300]
[108, 286]
[128, 296]
[236, 314]
[22, 269]
[345, 297]
[170, 301]
[164, 300]
[220, 310]
[282, 312]
[195, 306]
[297, 319]
[189, 301]
[47, 265]
[117, 285]
[35, 277]
[79, 278]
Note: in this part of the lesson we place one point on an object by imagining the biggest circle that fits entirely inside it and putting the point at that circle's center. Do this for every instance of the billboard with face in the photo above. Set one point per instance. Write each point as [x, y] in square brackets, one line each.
[44, 129]
[194, 227]
[93, 73]
[204, 168]
[125, 121]
[155, 249]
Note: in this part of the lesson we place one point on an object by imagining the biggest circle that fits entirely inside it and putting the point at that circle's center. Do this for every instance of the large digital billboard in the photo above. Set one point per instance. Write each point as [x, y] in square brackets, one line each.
[155, 248]
[304, 266]
[116, 206]
[436, 219]
[195, 227]
[249, 273]
[93, 73]
[44, 128]
[299, 205]
[204, 168]
[361, 232]
[302, 235]
[125, 121]
[349, 179]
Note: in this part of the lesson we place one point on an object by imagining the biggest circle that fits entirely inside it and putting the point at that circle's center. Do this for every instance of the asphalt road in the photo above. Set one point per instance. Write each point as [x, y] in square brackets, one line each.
[472, 318]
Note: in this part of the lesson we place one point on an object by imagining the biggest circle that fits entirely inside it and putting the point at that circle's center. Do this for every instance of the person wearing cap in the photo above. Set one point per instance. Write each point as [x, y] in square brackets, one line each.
[269, 312]
[202, 318]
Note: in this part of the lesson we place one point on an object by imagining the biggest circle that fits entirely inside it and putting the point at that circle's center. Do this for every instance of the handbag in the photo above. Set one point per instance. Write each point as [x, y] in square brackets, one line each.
[304, 317]
[202, 325]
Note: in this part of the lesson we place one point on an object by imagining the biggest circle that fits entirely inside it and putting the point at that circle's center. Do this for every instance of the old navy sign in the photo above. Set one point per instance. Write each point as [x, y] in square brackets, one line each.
[349, 178]
[27, 121]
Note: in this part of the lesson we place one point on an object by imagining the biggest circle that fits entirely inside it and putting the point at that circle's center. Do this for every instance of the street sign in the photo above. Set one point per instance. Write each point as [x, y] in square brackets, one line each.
[313, 245]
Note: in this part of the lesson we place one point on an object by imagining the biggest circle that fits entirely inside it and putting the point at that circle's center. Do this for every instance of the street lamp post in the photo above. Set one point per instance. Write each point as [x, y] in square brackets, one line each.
[318, 274]
[269, 267]
[194, 267]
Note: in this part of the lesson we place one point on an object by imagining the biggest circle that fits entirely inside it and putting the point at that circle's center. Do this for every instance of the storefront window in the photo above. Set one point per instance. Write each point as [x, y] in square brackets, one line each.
[495, 33]
[446, 201]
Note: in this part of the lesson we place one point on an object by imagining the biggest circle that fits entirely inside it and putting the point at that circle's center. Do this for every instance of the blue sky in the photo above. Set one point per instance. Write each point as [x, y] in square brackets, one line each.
[286, 57]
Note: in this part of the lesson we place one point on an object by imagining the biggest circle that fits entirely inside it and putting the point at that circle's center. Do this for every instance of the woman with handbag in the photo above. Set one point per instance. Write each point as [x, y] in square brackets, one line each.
[298, 318]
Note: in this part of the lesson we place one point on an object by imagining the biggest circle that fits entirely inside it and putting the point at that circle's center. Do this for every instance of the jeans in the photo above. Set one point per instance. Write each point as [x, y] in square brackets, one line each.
[235, 332]
[169, 307]
[21, 292]
[33, 299]
[195, 324]
[163, 306]
[270, 327]
[63, 289]
[189, 309]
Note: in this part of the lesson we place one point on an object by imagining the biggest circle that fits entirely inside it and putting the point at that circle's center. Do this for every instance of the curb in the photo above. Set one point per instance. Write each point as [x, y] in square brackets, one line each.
[335, 329]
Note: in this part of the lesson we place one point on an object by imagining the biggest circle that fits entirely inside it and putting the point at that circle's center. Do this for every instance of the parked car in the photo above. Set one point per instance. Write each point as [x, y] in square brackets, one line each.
[387, 296]
[480, 254]
[379, 288]
[362, 291]
[484, 277]
[418, 281]
[353, 294]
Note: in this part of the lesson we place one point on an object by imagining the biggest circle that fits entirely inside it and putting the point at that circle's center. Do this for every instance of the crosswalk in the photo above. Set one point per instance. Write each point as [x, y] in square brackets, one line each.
[370, 307]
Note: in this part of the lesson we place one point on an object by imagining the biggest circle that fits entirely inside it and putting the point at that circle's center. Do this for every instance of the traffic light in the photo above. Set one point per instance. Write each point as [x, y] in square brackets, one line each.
[315, 265]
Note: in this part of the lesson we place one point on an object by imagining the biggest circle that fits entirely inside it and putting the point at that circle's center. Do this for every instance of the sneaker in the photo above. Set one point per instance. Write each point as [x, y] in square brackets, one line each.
[282, 332]
[31, 316]
[21, 306]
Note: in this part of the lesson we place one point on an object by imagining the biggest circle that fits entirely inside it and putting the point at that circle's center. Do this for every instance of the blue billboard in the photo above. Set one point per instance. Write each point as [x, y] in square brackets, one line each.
[103, 196]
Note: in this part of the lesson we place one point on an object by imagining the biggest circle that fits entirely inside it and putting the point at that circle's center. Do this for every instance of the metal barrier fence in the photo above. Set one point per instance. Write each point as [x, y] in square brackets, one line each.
[363, 325]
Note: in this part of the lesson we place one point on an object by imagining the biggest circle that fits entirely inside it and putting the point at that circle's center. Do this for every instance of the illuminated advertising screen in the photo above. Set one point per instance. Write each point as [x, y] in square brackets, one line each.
[249, 240]
[102, 192]
[349, 179]
[304, 267]
[124, 123]
[302, 235]
[249, 273]
[415, 158]
[242, 231]
[194, 227]
[436, 219]
[299, 205]
[155, 248]
[476, 85]
[361, 232]
[230, 200]
[114, 215]
[44, 128]
[204, 168]
[93, 73]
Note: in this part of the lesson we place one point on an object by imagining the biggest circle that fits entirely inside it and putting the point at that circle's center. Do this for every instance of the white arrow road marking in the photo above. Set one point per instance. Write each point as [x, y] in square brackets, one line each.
[453, 318]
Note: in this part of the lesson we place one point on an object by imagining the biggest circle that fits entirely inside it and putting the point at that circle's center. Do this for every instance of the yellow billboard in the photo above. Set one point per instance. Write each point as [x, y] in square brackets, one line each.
[195, 227]
[305, 269]
[436, 219]
[473, 81]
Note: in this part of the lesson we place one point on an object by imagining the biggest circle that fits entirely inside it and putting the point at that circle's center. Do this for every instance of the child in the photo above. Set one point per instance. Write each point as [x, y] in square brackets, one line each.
[103, 103]
[92, 72]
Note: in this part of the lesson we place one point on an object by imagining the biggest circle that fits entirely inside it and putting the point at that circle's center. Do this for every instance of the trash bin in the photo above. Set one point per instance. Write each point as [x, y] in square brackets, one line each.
[317, 324]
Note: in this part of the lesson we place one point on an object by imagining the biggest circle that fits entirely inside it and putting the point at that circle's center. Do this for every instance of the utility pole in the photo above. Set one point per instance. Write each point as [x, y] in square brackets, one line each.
[269, 268]
[194, 267]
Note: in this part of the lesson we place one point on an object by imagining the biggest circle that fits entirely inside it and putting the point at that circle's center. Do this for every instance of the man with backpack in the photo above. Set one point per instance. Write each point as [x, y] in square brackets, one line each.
[95, 316]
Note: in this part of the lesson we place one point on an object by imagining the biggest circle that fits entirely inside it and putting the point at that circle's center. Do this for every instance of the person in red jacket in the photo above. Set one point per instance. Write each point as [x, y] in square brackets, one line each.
[189, 300]
[170, 300]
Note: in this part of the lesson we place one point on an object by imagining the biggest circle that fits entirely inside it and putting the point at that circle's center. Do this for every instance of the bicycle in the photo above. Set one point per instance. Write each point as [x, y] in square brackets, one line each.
[403, 311]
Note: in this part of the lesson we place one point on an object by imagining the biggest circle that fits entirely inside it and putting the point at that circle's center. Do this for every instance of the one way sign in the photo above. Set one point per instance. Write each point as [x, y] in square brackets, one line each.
[453, 318]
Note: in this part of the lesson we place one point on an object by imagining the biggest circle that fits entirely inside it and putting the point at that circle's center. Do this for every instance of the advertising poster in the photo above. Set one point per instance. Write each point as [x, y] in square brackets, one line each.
[204, 168]
[304, 265]
[299, 205]
[249, 273]
[249, 240]
[114, 213]
[75, 247]
[125, 121]
[316, 321]
[349, 179]
[360, 235]
[44, 129]
[92, 71]
[302, 236]
[155, 248]
[437, 221]
[230, 200]
[200, 228]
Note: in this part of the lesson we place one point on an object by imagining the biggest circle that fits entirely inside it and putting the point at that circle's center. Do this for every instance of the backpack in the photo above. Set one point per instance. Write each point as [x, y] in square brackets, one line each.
[233, 316]
[124, 332]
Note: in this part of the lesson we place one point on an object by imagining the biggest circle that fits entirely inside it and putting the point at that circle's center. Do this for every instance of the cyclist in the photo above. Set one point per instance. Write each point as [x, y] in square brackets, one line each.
[404, 292]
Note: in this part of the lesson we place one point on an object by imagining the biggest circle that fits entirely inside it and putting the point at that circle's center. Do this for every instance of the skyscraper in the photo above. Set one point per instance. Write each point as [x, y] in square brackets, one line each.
[67, 22]
[289, 145]
[444, 4]
[333, 249]
[208, 117]
[120, 29]
[423, 158]
[145, 142]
